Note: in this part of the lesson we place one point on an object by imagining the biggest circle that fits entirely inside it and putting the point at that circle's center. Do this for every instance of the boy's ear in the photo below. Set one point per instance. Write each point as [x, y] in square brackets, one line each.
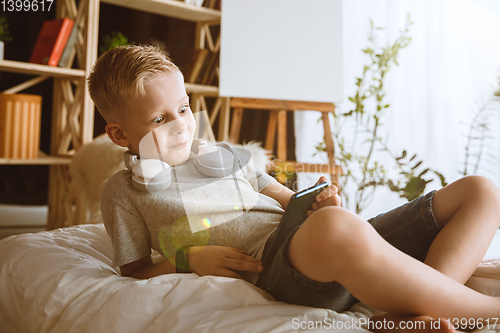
[115, 133]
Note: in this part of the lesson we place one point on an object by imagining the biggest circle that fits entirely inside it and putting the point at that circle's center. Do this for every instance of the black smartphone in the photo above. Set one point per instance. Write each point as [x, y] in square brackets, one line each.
[295, 214]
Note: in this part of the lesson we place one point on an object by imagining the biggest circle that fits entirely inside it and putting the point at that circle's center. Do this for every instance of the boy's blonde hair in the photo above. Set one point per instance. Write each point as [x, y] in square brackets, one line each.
[119, 75]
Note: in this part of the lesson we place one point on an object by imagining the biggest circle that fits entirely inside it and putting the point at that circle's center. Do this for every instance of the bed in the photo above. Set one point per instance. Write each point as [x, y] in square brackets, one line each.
[63, 281]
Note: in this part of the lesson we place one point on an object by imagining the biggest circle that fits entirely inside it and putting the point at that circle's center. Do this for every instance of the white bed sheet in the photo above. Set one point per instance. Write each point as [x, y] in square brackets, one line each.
[63, 281]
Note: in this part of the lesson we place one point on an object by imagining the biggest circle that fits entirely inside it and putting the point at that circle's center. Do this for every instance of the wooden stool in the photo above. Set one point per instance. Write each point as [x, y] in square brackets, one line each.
[277, 121]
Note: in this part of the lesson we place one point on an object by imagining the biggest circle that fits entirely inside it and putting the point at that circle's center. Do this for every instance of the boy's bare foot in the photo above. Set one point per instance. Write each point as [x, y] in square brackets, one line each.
[393, 323]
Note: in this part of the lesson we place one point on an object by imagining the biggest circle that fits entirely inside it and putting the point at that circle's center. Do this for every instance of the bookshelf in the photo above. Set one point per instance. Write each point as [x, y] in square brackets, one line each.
[43, 159]
[72, 108]
[201, 89]
[170, 8]
[35, 69]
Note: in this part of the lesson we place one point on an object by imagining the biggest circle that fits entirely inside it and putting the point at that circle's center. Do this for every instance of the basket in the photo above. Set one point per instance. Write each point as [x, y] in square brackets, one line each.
[20, 125]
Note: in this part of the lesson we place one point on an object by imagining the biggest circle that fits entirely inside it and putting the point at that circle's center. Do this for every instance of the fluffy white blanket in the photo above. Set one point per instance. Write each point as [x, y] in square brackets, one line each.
[63, 281]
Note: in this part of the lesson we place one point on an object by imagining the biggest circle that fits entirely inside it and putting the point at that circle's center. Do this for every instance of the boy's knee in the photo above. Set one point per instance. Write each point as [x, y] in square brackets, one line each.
[335, 234]
[479, 187]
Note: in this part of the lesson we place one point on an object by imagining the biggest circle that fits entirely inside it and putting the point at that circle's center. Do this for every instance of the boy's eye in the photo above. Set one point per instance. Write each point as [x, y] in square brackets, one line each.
[158, 120]
[184, 109]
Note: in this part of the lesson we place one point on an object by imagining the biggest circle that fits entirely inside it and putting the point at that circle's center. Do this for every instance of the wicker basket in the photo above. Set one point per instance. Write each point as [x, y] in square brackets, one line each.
[20, 125]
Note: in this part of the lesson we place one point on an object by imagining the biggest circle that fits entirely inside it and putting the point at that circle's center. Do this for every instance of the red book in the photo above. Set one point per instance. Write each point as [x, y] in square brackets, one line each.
[51, 41]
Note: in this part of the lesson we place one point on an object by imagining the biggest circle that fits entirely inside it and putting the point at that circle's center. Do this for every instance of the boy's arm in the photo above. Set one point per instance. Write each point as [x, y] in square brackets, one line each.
[278, 192]
[328, 197]
[145, 269]
[203, 260]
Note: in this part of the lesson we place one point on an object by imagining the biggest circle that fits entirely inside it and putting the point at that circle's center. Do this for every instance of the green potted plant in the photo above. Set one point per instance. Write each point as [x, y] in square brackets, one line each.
[4, 34]
[112, 40]
[358, 138]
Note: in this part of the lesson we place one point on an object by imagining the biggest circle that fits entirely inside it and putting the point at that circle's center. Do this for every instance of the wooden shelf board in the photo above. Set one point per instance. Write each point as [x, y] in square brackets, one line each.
[170, 8]
[36, 69]
[43, 159]
[202, 89]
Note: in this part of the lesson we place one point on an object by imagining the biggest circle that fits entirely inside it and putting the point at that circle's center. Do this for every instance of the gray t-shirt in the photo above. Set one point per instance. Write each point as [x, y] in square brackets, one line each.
[195, 210]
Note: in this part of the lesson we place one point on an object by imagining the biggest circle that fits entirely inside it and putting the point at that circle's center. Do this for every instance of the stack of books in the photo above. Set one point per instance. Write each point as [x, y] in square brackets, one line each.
[20, 125]
[55, 45]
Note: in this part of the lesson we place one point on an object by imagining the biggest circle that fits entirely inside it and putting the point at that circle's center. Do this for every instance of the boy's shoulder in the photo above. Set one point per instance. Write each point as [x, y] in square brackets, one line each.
[119, 183]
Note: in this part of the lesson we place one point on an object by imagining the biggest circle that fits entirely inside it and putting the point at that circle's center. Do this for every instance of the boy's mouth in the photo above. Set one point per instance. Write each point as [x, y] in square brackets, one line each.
[179, 145]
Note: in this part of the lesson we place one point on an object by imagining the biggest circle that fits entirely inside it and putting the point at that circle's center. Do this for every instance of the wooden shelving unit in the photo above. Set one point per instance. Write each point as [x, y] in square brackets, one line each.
[73, 110]
[175, 9]
[201, 89]
[35, 69]
[43, 159]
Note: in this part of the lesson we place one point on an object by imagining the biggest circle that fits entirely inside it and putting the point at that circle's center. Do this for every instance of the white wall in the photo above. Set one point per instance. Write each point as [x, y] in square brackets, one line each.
[449, 69]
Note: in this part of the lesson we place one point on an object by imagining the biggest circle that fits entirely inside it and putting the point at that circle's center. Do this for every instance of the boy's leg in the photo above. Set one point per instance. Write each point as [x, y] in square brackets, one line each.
[337, 245]
[468, 210]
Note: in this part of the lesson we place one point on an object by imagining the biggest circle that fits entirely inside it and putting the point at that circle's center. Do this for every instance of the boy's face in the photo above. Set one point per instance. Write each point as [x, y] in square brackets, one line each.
[160, 124]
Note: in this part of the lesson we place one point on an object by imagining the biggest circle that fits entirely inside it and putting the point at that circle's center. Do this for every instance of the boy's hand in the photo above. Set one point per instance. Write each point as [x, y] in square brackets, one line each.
[328, 197]
[221, 261]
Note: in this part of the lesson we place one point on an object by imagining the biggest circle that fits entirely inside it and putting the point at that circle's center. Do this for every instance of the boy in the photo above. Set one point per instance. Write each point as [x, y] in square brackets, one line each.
[412, 260]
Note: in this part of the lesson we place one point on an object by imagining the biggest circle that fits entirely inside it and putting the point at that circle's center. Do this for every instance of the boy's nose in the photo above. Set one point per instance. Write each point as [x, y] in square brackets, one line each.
[178, 127]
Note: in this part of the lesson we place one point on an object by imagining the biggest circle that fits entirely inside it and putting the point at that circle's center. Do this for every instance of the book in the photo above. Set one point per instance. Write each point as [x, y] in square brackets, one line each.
[69, 50]
[198, 3]
[51, 41]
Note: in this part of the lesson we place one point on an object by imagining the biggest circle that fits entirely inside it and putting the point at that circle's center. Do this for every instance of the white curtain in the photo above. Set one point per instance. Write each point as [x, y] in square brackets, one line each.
[448, 71]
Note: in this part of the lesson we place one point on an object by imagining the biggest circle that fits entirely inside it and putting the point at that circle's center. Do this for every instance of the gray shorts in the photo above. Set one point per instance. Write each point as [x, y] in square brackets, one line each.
[411, 228]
